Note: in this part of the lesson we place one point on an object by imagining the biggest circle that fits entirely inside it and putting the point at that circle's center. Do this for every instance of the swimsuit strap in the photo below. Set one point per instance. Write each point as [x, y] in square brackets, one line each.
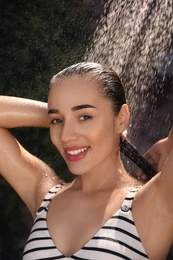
[127, 203]
[49, 196]
[125, 207]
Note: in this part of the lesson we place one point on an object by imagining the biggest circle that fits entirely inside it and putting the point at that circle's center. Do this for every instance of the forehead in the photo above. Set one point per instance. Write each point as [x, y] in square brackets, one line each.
[73, 86]
[75, 90]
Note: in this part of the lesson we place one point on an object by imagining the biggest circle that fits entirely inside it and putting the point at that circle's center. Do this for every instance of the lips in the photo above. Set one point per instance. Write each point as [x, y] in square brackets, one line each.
[76, 153]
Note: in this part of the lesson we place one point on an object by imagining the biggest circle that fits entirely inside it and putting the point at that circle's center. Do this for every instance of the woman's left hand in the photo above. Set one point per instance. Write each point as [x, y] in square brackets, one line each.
[157, 155]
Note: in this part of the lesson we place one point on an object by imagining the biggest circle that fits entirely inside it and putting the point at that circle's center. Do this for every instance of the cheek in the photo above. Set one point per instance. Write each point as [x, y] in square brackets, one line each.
[111, 138]
[54, 137]
[104, 133]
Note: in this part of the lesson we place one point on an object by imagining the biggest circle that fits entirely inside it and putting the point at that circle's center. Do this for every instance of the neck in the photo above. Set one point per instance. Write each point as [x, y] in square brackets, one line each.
[106, 178]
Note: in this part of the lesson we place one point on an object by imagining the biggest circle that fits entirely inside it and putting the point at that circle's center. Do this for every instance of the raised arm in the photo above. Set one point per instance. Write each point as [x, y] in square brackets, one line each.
[29, 176]
[165, 180]
[17, 112]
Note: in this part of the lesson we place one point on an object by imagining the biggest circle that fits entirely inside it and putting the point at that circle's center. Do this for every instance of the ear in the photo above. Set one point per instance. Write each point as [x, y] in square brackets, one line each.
[123, 118]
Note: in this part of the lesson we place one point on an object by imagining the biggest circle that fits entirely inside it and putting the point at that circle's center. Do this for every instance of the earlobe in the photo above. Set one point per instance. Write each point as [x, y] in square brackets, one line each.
[123, 118]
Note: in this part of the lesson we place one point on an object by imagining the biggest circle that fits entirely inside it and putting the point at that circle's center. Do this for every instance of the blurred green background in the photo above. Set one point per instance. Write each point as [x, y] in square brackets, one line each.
[38, 38]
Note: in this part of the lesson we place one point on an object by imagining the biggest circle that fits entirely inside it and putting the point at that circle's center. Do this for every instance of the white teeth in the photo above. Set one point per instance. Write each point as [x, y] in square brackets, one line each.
[76, 152]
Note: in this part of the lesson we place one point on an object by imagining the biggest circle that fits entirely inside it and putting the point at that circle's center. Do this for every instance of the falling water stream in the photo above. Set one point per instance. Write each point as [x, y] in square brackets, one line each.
[135, 38]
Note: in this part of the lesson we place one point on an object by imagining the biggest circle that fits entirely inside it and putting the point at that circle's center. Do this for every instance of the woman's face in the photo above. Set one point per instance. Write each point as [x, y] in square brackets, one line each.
[83, 127]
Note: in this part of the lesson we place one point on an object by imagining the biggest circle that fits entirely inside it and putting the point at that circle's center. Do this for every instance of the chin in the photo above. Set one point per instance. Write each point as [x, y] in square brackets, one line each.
[77, 171]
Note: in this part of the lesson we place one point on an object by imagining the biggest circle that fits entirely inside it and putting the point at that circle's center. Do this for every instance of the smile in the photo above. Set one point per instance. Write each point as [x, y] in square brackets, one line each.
[76, 152]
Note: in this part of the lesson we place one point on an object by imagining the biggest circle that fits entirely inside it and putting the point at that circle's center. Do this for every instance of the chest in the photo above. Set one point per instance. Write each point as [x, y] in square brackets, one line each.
[84, 230]
[75, 221]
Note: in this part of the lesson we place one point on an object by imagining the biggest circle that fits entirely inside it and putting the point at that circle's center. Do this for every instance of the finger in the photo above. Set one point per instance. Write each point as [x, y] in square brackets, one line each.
[124, 134]
[171, 134]
[152, 159]
[141, 176]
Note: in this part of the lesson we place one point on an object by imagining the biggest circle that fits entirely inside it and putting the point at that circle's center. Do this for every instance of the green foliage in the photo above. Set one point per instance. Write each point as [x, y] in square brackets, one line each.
[39, 38]
[15, 223]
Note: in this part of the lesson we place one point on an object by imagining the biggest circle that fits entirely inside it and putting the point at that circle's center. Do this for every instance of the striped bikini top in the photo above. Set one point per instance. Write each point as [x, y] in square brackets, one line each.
[117, 239]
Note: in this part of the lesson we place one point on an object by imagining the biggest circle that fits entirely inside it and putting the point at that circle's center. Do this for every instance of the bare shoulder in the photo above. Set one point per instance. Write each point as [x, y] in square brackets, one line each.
[45, 179]
[48, 179]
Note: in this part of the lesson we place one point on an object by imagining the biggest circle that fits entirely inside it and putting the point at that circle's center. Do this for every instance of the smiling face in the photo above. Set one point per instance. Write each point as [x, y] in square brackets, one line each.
[83, 126]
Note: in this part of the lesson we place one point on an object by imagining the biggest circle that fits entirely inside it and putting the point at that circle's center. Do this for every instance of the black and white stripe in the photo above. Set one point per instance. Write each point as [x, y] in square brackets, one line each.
[117, 239]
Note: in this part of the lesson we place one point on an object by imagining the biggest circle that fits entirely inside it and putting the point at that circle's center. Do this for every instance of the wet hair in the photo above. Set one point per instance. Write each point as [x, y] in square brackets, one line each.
[105, 78]
[109, 86]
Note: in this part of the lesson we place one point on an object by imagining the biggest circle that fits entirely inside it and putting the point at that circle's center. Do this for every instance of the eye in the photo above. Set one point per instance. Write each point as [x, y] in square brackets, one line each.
[55, 121]
[85, 117]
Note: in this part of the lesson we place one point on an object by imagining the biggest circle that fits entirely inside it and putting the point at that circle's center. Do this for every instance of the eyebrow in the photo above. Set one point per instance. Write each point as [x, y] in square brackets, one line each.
[75, 108]
[82, 107]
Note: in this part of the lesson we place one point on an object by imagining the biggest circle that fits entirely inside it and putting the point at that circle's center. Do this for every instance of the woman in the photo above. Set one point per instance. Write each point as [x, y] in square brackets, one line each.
[95, 216]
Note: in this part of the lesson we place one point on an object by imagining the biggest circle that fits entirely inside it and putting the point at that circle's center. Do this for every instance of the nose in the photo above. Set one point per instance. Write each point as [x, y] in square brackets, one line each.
[69, 132]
